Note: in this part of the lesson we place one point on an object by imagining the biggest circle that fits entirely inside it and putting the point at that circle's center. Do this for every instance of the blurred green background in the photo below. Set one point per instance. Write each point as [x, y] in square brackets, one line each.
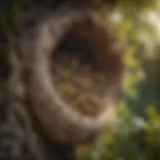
[137, 136]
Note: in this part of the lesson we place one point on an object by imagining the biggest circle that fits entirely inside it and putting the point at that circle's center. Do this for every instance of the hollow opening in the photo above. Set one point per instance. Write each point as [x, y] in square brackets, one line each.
[80, 67]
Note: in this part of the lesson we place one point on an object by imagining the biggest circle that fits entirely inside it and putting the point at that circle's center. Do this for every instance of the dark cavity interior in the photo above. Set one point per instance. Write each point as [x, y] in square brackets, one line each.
[77, 73]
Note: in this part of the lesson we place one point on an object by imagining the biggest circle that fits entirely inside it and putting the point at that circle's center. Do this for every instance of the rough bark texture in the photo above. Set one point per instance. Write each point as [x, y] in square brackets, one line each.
[25, 131]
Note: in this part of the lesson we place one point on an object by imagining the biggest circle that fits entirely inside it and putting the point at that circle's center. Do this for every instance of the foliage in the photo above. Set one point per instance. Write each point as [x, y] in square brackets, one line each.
[133, 139]
[140, 32]
[137, 136]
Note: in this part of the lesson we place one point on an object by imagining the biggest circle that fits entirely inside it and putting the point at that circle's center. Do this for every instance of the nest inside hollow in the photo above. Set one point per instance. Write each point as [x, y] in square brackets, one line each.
[86, 66]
